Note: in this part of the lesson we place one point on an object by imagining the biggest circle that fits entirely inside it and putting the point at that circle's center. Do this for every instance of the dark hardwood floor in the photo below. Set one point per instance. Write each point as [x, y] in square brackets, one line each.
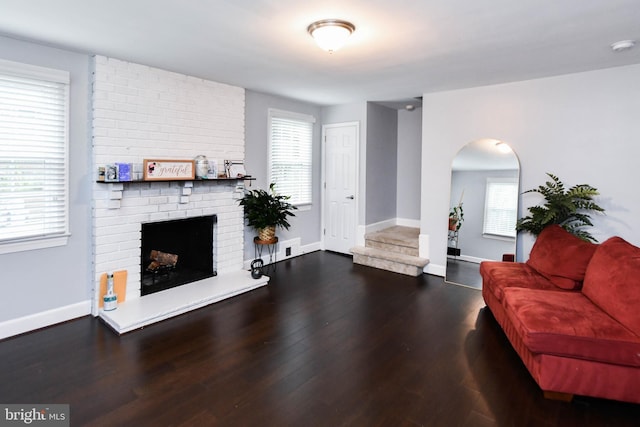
[326, 343]
[463, 273]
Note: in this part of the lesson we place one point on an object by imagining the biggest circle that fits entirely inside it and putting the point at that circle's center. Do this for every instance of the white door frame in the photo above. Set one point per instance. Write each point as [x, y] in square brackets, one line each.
[323, 179]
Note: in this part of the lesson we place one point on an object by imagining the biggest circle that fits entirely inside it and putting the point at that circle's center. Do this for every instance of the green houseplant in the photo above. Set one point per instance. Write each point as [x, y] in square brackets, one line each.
[266, 210]
[456, 217]
[568, 208]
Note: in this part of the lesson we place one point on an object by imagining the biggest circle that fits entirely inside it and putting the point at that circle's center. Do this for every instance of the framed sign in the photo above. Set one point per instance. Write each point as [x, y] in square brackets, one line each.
[168, 170]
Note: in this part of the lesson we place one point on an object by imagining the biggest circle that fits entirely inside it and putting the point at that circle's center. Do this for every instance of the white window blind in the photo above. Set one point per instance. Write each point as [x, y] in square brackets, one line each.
[501, 207]
[33, 153]
[291, 137]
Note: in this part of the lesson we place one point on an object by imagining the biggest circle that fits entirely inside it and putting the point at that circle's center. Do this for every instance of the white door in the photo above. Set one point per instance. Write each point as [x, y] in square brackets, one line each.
[341, 183]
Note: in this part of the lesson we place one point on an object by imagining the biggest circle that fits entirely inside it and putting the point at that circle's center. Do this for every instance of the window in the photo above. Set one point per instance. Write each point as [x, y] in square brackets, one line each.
[501, 207]
[34, 110]
[291, 137]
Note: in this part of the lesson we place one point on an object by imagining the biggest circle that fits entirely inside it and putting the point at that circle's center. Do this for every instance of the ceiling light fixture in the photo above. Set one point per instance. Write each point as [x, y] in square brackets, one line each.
[503, 147]
[622, 45]
[331, 34]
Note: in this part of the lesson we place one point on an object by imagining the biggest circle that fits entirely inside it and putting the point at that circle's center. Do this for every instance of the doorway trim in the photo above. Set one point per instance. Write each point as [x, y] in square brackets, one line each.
[324, 179]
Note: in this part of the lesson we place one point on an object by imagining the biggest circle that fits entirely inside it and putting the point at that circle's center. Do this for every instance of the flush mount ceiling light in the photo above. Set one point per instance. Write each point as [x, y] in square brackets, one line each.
[331, 34]
[623, 45]
[502, 147]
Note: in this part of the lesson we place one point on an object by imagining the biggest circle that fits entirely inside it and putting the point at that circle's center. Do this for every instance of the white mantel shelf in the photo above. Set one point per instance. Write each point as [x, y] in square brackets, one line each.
[143, 311]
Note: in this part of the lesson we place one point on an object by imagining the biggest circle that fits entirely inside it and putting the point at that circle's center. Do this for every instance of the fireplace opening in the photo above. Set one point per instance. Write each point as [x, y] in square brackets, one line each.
[176, 252]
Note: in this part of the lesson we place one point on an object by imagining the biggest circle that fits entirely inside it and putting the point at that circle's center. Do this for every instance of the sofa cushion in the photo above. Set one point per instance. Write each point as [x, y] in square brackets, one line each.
[561, 257]
[568, 324]
[612, 281]
[498, 275]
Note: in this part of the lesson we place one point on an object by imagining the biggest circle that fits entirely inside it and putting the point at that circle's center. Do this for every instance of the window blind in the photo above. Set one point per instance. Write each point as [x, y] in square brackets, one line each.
[291, 155]
[501, 207]
[33, 152]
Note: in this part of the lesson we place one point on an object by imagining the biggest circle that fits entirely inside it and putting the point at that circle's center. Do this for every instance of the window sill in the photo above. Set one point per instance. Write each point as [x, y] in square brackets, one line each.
[498, 237]
[33, 244]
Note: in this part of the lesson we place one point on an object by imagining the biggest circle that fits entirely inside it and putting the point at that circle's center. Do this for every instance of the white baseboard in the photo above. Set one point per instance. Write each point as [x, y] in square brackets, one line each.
[414, 223]
[435, 269]
[35, 321]
[313, 247]
[281, 251]
[472, 259]
[377, 226]
[441, 270]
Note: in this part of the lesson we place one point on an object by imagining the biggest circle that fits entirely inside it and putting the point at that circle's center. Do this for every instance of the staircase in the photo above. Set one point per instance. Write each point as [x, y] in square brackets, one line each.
[393, 249]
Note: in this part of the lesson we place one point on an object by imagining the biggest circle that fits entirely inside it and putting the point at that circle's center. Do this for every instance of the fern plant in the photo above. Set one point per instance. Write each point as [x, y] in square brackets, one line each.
[568, 208]
[266, 208]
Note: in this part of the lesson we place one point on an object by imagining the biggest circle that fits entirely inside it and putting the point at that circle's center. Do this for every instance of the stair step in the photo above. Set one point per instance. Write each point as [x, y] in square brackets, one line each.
[390, 261]
[406, 237]
[390, 247]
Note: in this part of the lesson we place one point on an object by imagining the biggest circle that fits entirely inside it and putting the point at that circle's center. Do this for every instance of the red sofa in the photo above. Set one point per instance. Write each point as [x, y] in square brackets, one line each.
[572, 313]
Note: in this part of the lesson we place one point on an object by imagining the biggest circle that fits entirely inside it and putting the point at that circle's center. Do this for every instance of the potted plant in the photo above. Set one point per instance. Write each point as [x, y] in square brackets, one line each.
[456, 217]
[567, 208]
[266, 210]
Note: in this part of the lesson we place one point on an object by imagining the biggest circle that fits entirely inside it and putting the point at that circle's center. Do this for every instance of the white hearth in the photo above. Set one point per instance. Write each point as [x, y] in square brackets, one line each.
[140, 312]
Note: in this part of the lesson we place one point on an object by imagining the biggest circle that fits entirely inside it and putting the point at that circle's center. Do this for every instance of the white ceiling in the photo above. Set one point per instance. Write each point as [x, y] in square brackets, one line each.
[400, 49]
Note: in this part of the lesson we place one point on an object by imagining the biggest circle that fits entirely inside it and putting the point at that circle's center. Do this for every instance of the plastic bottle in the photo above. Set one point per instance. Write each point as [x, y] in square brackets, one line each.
[110, 299]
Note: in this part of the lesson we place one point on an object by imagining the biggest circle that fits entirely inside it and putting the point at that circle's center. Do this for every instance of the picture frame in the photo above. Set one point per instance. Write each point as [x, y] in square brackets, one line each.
[110, 173]
[168, 170]
[234, 168]
[213, 169]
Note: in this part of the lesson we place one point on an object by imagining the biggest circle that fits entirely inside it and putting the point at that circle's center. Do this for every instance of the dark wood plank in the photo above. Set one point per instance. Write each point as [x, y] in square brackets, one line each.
[326, 343]
[463, 273]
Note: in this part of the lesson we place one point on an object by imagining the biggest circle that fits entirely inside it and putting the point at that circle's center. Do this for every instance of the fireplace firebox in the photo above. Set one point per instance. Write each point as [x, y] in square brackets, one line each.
[176, 252]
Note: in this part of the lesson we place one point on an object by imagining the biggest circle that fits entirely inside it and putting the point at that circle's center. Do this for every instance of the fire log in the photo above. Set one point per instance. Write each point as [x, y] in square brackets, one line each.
[164, 258]
[162, 261]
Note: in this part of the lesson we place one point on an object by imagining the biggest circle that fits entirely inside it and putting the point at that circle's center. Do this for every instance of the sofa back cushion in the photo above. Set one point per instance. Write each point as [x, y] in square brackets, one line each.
[612, 281]
[561, 257]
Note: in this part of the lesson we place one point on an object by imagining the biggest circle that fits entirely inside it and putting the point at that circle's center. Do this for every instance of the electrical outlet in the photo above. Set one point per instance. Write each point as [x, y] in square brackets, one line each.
[287, 251]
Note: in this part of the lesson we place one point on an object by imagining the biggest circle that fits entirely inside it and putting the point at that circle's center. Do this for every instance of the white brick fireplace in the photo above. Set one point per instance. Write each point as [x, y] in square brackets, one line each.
[141, 112]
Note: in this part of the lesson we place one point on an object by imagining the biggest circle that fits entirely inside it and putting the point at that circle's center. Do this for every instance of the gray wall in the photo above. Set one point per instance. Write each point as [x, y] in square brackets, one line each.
[382, 155]
[409, 159]
[470, 239]
[356, 112]
[306, 223]
[582, 127]
[40, 280]
[378, 157]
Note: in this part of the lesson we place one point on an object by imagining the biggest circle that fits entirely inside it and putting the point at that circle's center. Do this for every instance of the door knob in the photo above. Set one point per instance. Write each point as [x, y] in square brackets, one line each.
[350, 197]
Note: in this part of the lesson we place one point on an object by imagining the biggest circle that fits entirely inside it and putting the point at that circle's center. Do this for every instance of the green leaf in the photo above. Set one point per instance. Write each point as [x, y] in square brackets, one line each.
[266, 208]
[567, 208]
